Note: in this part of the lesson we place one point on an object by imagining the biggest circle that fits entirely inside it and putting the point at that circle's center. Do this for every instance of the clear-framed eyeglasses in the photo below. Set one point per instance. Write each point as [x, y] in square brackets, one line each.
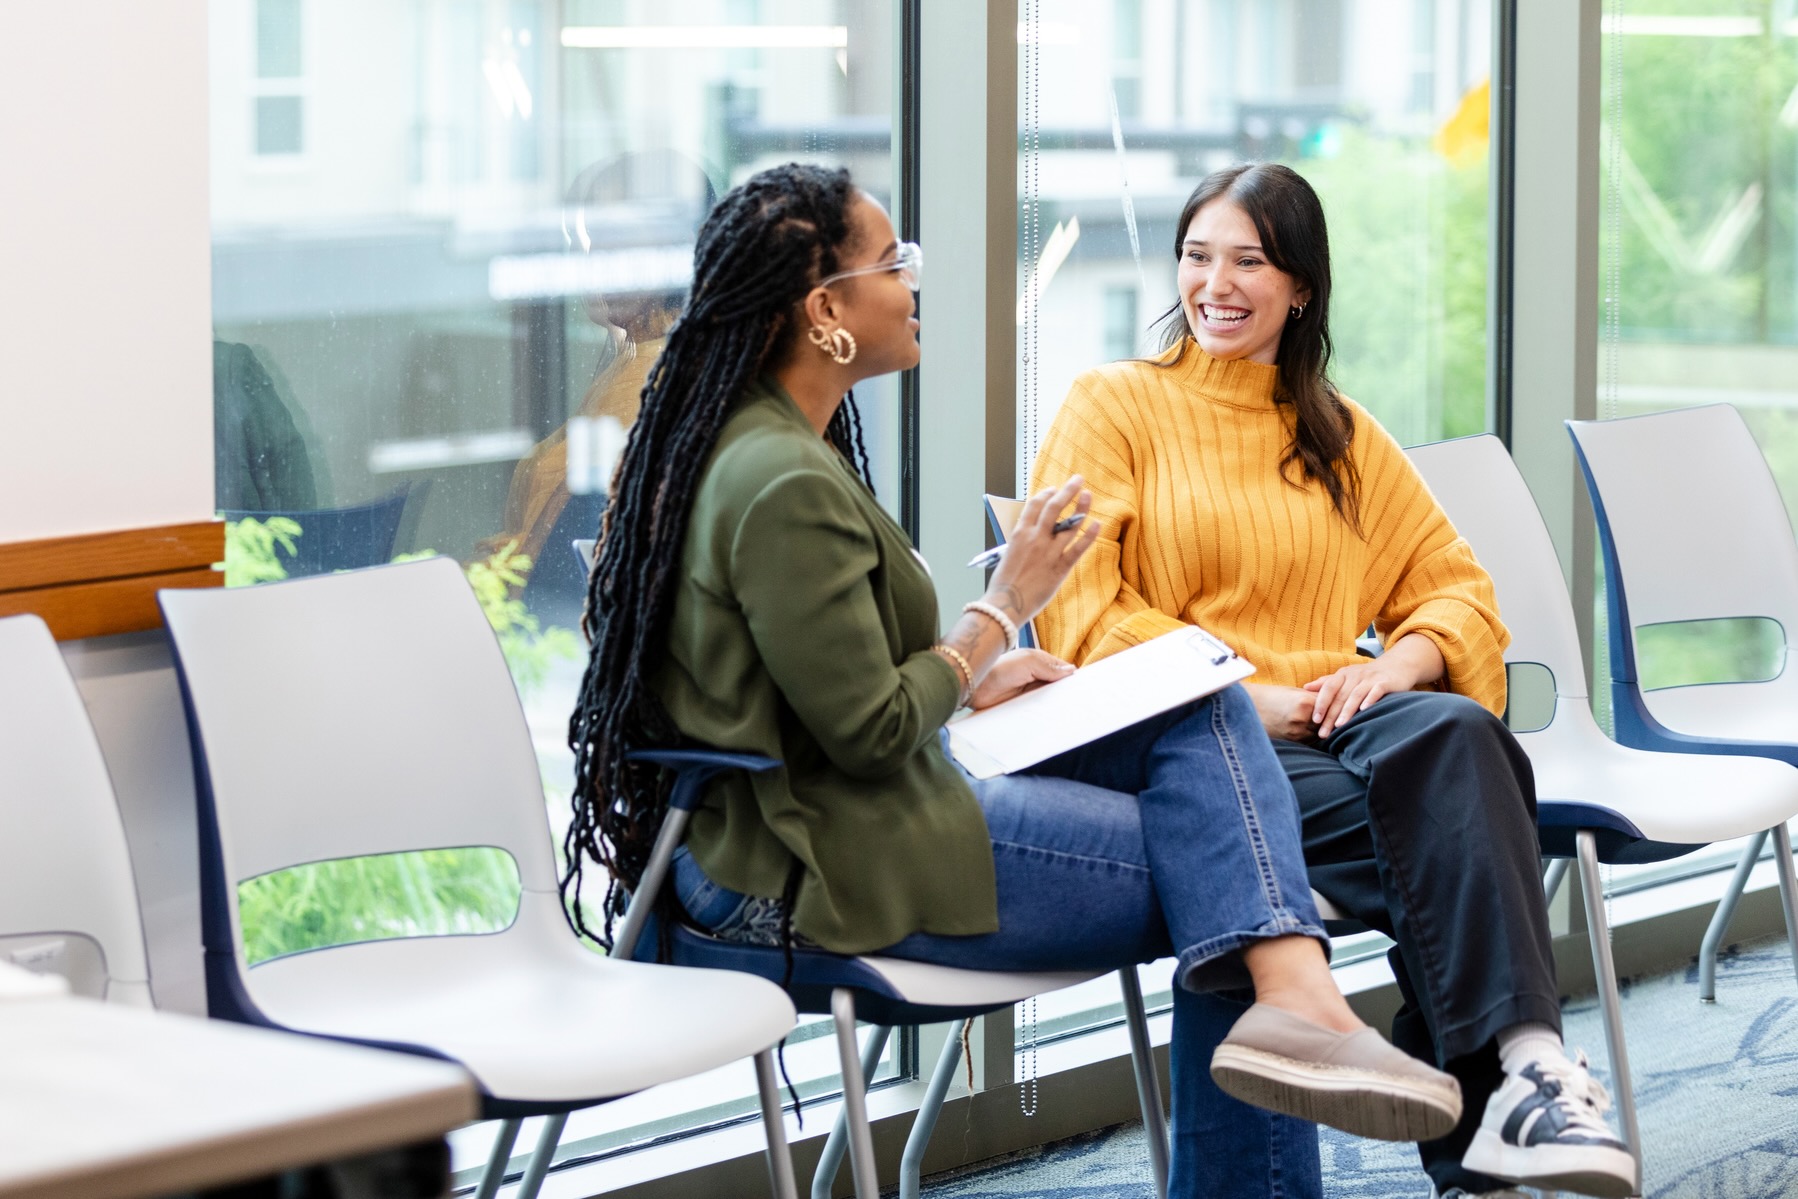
[908, 261]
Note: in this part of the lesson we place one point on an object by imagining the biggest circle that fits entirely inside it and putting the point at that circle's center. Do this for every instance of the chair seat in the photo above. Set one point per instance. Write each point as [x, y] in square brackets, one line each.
[1681, 800]
[535, 1025]
[1732, 712]
[887, 990]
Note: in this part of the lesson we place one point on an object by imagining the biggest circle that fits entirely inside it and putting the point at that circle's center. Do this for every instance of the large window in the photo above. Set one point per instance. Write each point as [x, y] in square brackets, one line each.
[449, 239]
[1699, 274]
[1126, 104]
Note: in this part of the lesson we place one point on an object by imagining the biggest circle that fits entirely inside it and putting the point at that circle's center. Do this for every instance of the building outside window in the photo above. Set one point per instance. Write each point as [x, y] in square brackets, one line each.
[278, 96]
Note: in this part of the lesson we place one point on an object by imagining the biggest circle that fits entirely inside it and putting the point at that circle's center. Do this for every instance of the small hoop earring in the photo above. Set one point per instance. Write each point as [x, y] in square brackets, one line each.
[1296, 313]
[839, 344]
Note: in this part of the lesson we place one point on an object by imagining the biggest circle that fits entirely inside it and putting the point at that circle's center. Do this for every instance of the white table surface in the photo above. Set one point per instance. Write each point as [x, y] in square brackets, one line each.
[101, 1101]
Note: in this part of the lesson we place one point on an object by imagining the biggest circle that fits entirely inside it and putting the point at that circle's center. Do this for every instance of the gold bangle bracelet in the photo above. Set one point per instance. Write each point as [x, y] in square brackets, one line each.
[961, 666]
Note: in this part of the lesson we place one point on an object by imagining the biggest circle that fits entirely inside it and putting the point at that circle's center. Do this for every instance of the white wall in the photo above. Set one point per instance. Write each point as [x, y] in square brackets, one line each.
[106, 370]
[105, 305]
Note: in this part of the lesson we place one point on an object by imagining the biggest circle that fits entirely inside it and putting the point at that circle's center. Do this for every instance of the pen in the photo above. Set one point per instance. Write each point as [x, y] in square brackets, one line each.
[993, 555]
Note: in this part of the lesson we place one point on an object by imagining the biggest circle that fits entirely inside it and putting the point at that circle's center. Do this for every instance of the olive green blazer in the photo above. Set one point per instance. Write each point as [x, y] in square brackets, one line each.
[801, 629]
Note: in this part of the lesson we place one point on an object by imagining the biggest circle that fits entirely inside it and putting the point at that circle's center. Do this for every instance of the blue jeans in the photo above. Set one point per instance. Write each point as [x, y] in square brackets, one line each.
[1181, 835]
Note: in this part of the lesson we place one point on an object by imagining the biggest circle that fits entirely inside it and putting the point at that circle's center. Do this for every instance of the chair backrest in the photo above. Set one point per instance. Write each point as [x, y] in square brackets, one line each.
[1001, 516]
[68, 899]
[341, 538]
[1691, 523]
[1487, 501]
[347, 715]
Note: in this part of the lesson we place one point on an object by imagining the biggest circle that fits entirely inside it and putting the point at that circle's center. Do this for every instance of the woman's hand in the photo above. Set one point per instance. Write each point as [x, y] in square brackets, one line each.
[1019, 671]
[1036, 557]
[1285, 711]
[1408, 663]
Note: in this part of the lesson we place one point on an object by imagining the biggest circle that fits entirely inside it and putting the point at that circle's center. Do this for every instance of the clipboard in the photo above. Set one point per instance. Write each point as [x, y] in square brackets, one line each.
[1095, 701]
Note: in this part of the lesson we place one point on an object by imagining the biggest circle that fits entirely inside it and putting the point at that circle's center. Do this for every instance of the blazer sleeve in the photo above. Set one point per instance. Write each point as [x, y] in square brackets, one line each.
[1426, 578]
[802, 563]
[1097, 611]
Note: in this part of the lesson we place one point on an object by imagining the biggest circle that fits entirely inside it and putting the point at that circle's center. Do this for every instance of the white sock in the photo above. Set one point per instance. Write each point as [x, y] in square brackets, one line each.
[1521, 1044]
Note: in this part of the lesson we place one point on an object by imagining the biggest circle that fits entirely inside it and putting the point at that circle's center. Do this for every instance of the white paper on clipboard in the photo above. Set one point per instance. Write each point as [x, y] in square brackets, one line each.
[1095, 701]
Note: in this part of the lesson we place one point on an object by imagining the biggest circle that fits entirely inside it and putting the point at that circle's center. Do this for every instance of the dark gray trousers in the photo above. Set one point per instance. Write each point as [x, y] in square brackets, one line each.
[1420, 821]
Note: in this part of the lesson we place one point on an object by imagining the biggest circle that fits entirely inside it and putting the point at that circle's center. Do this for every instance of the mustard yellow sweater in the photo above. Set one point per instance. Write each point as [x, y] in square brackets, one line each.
[1199, 527]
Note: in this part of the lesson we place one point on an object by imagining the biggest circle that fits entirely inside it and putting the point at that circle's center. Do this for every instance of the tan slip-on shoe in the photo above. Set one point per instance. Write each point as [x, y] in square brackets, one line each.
[1353, 1081]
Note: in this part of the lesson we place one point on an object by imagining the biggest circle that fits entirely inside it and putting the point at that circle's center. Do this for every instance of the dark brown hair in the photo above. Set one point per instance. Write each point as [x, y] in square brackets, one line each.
[1290, 221]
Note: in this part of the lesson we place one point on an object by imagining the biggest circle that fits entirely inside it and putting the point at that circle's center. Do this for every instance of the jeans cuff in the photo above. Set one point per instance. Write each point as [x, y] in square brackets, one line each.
[1217, 965]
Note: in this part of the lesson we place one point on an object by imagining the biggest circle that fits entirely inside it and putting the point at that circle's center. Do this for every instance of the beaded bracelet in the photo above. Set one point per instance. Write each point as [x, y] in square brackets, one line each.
[997, 617]
[961, 667]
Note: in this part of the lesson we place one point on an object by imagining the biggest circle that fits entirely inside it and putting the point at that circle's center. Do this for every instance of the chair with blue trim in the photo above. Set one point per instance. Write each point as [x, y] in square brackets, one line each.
[884, 992]
[1597, 801]
[368, 713]
[1693, 528]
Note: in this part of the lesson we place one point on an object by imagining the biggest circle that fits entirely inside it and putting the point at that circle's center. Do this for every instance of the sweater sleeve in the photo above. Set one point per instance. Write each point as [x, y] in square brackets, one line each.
[801, 563]
[1424, 576]
[1097, 611]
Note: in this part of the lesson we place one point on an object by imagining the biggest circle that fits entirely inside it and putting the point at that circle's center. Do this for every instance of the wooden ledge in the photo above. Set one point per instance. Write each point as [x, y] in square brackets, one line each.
[97, 584]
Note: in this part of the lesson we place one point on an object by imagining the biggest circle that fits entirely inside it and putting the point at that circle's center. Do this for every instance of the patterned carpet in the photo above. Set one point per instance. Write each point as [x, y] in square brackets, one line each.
[1716, 1088]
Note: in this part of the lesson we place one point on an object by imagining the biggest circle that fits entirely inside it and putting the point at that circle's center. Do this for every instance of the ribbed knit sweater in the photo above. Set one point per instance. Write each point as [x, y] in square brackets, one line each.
[1200, 526]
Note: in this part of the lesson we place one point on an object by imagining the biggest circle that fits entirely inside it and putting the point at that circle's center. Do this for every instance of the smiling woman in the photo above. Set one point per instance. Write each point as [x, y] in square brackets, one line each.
[1238, 490]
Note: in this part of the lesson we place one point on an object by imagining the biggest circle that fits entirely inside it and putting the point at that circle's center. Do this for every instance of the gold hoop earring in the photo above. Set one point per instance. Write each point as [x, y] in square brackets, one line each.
[838, 343]
[842, 344]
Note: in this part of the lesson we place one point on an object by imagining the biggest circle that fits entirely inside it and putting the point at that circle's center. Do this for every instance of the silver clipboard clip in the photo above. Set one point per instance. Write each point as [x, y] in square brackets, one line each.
[1215, 651]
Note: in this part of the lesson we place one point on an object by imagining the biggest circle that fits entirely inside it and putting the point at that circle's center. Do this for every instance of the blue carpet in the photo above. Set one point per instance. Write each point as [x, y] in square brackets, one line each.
[1716, 1089]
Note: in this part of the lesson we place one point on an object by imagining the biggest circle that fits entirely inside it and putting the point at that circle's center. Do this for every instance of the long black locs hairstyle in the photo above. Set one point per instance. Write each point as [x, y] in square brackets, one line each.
[759, 252]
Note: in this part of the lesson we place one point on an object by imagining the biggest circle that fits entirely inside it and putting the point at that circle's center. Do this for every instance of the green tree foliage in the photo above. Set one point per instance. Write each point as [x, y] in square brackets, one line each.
[1408, 249]
[433, 892]
[1706, 178]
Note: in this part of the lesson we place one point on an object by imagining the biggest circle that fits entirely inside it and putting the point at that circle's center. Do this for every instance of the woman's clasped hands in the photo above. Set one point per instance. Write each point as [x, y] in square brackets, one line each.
[1320, 707]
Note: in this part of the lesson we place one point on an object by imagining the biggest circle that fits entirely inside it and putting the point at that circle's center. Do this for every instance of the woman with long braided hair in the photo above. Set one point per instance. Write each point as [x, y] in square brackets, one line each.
[750, 594]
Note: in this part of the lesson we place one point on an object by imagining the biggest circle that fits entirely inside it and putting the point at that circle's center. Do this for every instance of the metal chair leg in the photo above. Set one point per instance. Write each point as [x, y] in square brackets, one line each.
[1148, 1083]
[497, 1160]
[1726, 910]
[1551, 881]
[1610, 1001]
[911, 1165]
[1788, 886]
[780, 1156]
[547, 1140]
[855, 1097]
[830, 1160]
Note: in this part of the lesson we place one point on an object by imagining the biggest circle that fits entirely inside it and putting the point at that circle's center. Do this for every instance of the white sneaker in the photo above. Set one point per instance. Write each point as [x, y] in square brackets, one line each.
[1544, 1127]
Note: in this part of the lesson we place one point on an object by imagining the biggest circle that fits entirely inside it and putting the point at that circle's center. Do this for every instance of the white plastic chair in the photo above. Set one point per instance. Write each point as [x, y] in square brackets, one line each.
[1693, 528]
[67, 894]
[372, 713]
[1597, 800]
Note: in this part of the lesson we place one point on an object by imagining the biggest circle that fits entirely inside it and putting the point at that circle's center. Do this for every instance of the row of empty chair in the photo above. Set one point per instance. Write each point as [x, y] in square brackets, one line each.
[371, 713]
